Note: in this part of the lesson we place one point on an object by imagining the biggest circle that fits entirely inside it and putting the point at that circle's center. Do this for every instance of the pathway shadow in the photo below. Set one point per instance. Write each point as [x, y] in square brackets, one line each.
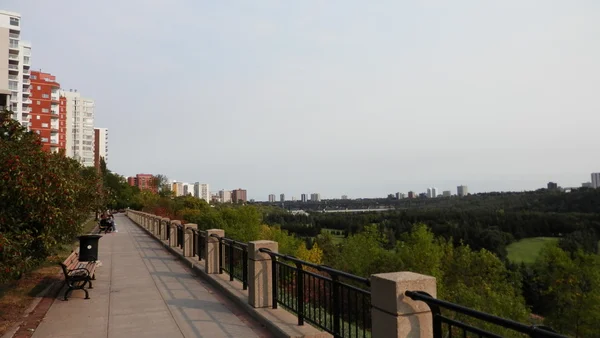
[212, 307]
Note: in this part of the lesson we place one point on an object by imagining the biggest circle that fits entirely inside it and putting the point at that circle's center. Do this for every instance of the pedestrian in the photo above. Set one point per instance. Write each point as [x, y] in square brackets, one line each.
[113, 224]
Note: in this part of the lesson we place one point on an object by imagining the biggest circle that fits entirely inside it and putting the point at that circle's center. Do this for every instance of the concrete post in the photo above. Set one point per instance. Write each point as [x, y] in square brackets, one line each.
[173, 233]
[212, 252]
[188, 240]
[163, 228]
[156, 224]
[395, 315]
[260, 281]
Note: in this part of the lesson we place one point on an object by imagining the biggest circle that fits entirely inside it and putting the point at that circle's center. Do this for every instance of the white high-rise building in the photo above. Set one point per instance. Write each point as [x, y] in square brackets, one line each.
[462, 190]
[80, 127]
[201, 191]
[434, 192]
[15, 61]
[595, 180]
[225, 196]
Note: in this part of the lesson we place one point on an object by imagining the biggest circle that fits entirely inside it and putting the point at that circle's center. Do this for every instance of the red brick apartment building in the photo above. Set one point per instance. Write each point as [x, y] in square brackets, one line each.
[238, 195]
[48, 111]
[142, 181]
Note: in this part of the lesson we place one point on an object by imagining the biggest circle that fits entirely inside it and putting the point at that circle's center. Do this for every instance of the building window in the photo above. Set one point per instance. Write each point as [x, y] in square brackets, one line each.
[45, 96]
[37, 117]
[33, 77]
[14, 21]
[45, 110]
[37, 102]
[39, 87]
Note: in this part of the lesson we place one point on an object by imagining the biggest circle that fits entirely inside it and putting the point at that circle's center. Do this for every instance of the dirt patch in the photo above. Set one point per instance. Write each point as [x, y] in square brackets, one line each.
[18, 296]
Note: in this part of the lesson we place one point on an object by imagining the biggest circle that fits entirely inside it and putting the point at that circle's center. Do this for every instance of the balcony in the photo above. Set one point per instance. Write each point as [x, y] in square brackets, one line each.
[26, 110]
[26, 81]
[14, 35]
[27, 101]
[13, 68]
[54, 128]
[13, 57]
[13, 77]
[26, 72]
[27, 92]
[54, 112]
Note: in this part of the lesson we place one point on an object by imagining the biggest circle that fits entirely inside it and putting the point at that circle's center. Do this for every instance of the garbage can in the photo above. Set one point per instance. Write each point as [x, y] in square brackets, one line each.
[88, 248]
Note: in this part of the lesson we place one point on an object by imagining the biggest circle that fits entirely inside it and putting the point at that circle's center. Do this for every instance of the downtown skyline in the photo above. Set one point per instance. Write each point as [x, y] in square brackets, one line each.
[339, 97]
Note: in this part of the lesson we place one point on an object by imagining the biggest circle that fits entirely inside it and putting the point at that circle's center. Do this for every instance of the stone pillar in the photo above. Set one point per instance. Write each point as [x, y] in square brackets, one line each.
[188, 240]
[260, 281]
[173, 233]
[163, 228]
[156, 223]
[395, 315]
[212, 252]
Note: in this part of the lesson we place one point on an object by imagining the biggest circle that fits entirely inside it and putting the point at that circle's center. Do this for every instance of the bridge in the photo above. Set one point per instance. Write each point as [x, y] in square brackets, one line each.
[161, 278]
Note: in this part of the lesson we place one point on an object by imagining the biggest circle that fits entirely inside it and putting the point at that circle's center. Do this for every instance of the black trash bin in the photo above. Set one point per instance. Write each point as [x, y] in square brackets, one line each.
[88, 248]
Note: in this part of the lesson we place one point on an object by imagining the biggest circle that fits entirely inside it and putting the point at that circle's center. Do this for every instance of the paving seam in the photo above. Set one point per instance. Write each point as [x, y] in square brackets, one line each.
[138, 250]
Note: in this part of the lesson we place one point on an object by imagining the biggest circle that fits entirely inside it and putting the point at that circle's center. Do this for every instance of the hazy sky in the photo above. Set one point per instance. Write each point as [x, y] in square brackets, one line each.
[362, 98]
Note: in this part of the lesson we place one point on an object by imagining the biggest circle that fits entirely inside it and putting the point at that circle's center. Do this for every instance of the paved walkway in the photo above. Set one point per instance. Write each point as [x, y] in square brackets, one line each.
[141, 290]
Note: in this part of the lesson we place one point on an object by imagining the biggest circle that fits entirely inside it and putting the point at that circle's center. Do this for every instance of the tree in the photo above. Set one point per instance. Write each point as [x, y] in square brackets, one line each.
[571, 284]
[44, 198]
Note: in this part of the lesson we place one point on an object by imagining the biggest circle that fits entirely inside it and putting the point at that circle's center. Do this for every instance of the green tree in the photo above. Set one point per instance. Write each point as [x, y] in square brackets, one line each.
[572, 285]
[44, 198]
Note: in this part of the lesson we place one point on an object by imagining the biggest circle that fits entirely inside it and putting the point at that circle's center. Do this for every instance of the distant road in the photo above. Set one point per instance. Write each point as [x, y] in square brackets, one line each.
[358, 210]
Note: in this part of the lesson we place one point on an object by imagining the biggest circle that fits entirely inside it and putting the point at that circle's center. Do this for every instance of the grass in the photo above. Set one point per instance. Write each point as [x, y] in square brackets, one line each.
[17, 296]
[528, 249]
[336, 239]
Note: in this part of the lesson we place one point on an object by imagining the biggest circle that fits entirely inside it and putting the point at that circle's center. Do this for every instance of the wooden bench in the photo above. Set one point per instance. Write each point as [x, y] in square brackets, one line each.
[78, 274]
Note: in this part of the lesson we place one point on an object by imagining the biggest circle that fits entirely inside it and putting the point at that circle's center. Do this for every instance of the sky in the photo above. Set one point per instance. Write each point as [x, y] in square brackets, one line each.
[361, 98]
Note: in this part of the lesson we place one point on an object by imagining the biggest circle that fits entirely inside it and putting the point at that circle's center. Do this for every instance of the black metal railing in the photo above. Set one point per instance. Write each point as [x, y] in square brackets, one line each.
[179, 233]
[233, 259]
[168, 229]
[445, 326]
[333, 300]
[198, 243]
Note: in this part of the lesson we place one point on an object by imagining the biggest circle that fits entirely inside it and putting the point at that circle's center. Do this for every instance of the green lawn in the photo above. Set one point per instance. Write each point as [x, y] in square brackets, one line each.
[528, 249]
[336, 239]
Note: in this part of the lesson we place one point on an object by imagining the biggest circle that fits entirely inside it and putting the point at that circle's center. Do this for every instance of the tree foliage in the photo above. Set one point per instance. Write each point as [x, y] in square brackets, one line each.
[44, 199]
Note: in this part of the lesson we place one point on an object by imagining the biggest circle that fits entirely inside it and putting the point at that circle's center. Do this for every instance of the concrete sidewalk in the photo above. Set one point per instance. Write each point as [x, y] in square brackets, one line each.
[141, 290]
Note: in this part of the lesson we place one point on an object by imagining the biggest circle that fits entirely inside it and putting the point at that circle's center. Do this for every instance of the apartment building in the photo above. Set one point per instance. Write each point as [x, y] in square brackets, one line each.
[48, 111]
[239, 195]
[100, 146]
[15, 60]
[595, 180]
[80, 127]
[225, 196]
[177, 188]
[201, 191]
[462, 190]
[142, 181]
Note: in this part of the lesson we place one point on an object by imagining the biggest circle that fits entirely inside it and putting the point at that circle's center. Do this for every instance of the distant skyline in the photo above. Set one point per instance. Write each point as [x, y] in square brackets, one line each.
[336, 97]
